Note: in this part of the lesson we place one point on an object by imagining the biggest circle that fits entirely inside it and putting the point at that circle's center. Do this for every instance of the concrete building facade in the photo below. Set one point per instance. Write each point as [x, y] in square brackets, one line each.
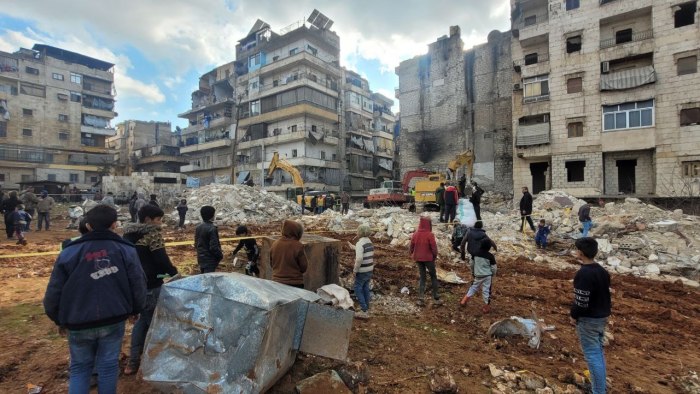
[453, 100]
[142, 146]
[605, 100]
[55, 112]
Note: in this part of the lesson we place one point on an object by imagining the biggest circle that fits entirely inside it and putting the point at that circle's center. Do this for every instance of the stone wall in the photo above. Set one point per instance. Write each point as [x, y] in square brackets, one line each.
[644, 171]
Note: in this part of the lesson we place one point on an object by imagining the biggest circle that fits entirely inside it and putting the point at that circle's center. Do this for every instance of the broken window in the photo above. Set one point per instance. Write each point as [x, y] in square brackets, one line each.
[294, 128]
[690, 116]
[691, 169]
[684, 14]
[530, 58]
[574, 85]
[575, 129]
[575, 170]
[27, 112]
[27, 132]
[573, 44]
[687, 65]
[623, 36]
[572, 4]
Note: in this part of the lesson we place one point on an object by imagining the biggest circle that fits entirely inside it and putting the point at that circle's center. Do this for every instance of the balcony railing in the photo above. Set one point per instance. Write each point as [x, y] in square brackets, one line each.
[531, 60]
[531, 20]
[536, 99]
[639, 36]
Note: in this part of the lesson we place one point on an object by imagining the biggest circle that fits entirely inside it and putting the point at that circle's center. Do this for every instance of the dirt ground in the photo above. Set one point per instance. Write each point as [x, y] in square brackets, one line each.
[656, 326]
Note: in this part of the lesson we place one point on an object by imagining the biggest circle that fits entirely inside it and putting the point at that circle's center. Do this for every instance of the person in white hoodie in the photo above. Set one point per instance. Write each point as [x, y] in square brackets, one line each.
[364, 266]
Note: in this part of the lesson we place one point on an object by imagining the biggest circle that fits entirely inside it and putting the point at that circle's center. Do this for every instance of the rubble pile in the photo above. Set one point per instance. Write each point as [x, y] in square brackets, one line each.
[236, 204]
[507, 381]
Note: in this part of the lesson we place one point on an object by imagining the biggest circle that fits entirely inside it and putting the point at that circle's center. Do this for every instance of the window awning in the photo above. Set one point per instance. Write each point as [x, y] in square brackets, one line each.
[628, 79]
[536, 134]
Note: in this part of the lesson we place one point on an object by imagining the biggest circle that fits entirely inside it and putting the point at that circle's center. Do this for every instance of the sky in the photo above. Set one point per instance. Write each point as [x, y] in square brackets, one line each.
[161, 47]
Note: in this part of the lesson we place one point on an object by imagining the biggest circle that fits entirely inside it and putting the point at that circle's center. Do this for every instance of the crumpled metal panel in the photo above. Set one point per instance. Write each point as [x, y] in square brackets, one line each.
[227, 333]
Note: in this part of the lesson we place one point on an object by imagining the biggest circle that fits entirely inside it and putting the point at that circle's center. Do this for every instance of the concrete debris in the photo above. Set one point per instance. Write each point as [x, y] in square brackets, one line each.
[529, 382]
[354, 375]
[237, 204]
[528, 328]
[324, 382]
[449, 277]
[441, 381]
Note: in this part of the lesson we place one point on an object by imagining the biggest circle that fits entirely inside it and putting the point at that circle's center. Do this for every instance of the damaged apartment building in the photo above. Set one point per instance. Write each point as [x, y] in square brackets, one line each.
[55, 112]
[142, 146]
[605, 97]
[453, 100]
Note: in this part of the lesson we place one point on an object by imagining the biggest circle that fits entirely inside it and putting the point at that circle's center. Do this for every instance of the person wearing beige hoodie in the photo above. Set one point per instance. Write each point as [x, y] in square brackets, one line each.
[287, 256]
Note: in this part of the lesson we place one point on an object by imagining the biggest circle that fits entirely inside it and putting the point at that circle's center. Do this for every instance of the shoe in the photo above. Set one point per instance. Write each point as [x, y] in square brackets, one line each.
[362, 315]
[464, 301]
[437, 302]
[486, 308]
[420, 302]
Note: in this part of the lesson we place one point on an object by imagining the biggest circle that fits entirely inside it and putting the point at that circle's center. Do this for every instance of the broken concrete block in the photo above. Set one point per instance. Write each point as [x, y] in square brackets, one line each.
[653, 257]
[324, 382]
[632, 200]
[604, 245]
[532, 381]
[441, 381]
[495, 371]
[614, 261]
[665, 225]
[652, 269]
[354, 374]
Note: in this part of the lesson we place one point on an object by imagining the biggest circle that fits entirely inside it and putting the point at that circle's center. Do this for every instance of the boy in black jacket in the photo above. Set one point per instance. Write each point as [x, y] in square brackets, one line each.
[252, 251]
[591, 309]
[150, 246]
[206, 241]
[96, 284]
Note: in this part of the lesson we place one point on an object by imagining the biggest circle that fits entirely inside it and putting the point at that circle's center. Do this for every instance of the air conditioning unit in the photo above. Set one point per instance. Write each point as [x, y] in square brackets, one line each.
[605, 67]
[516, 87]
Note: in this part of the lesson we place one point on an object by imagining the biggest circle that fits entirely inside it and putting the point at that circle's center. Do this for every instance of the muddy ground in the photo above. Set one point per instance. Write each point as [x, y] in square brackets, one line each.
[656, 326]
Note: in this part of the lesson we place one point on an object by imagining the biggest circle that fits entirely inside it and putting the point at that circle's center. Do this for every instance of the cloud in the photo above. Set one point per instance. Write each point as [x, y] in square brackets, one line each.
[132, 88]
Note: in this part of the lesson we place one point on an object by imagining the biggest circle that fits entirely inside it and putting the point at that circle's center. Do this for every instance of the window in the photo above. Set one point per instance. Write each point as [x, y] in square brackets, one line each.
[57, 76]
[623, 36]
[31, 70]
[62, 118]
[536, 86]
[2, 177]
[27, 132]
[574, 170]
[3, 129]
[323, 155]
[275, 58]
[684, 14]
[75, 97]
[572, 4]
[628, 115]
[62, 97]
[73, 178]
[294, 153]
[574, 85]
[687, 65]
[573, 44]
[530, 58]
[275, 82]
[294, 128]
[32, 90]
[254, 60]
[334, 157]
[691, 169]
[312, 50]
[63, 136]
[313, 128]
[255, 108]
[293, 51]
[530, 20]
[690, 116]
[51, 177]
[93, 179]
[76, 78]
[575, 129]
[27, 112]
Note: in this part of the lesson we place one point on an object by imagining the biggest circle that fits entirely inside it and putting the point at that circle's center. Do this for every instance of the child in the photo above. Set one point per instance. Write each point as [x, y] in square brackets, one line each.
[471, 243]
[252, 251]
[483, 266]
[591, 309]
[181, 212]
[20, 219]
[364, 266]
[206, 241]
[287, 256]
[424, 252]
[96, 284]
[82, 227]
[541, 235]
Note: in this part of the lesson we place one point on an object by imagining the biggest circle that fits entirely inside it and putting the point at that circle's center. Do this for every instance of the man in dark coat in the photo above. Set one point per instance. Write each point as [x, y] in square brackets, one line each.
[440, 200]
[475, 199]
[526, 209]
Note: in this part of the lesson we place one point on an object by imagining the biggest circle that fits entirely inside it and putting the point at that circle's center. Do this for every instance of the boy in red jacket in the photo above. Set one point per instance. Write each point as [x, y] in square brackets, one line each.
[424, 252]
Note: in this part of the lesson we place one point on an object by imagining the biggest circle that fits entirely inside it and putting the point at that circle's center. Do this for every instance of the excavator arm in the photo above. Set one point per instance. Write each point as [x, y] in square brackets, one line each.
[465, 158]
[287, 167]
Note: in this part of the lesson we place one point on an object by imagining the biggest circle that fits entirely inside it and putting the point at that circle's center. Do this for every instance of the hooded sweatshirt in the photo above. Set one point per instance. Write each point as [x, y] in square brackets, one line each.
[423, 245]
[451, 195]
[474, 239]
[150, 247]
[287, 256]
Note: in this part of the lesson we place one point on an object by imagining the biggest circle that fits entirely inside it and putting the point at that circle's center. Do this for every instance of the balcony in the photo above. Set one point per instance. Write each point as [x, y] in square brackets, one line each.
[108, 131]
[326, 86]
[222, 121]
[530, 25]
[329, 139]
[532, 135]
[9, 67]
[190, 168]
[97, 88]
[89, 158]
[536, 58]
[297, 109]
[536, 99]
[219, 143]
[627, 79]
[625, 38]
[291, 62]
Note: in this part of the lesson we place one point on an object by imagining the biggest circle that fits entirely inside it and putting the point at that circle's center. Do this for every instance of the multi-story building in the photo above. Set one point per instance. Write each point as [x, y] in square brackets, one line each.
[207, 143]
[358, 111]
[55, 113]
[288, 91]
[383, 122]
[453, 100]
[142, 146]
[605, 97]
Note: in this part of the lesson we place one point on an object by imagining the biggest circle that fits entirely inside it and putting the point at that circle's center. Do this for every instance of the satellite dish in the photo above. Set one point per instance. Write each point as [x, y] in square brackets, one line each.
[319, 20]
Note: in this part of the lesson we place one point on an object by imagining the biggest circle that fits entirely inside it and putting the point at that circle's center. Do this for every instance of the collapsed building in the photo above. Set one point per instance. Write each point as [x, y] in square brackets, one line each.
[453, 100]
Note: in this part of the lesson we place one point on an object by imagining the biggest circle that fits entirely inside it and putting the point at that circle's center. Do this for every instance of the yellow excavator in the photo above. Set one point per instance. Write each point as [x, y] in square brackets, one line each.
[425, 188]
[465, 158]
[293, 193]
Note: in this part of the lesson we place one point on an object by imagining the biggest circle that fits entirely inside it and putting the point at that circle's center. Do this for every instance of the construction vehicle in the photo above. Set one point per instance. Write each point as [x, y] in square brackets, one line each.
[425, 186]
[465, 158]
[389, 193]
[294, 193]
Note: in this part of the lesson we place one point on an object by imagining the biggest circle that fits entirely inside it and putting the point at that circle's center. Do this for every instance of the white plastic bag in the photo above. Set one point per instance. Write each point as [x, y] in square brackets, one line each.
[465, 212]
